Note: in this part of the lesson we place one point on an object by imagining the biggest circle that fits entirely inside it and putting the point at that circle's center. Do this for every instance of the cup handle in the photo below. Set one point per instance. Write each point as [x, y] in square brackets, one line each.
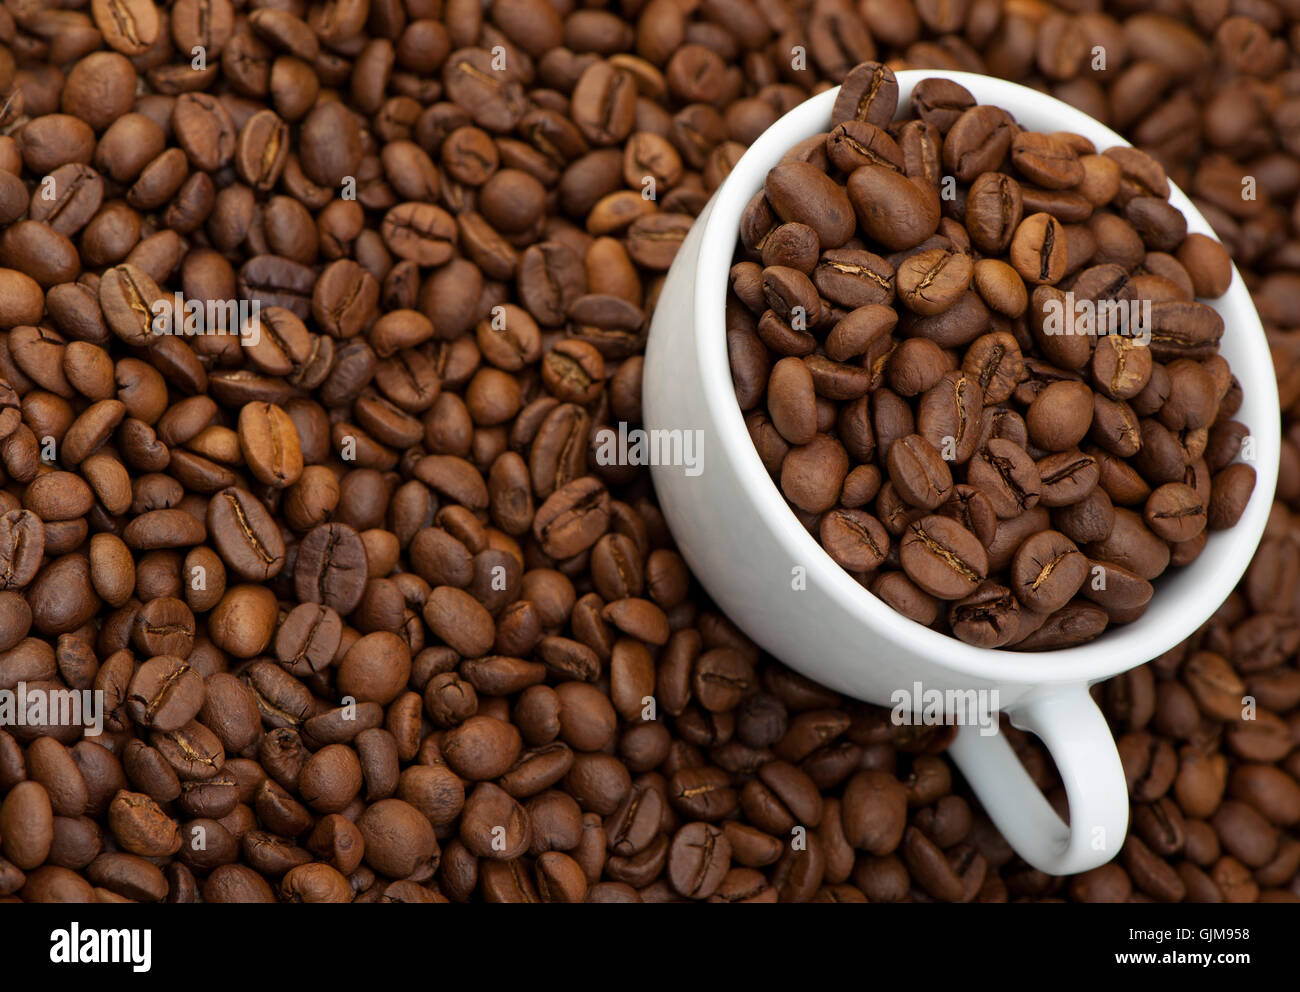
[1067, 720]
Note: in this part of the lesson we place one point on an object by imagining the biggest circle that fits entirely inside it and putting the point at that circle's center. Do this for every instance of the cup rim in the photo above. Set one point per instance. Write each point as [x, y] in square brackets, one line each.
[1205, 583]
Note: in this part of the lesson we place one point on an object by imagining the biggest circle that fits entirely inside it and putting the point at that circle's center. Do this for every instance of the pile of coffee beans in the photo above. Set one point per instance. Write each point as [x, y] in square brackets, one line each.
[369, 620]
[1016, 418]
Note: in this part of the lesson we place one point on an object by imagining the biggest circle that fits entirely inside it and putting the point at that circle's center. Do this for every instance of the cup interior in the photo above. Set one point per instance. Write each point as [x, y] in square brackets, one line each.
[1184, 597]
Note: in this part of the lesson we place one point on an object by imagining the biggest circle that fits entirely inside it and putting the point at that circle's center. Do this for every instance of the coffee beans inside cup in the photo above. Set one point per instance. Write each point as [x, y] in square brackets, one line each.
[977, 362]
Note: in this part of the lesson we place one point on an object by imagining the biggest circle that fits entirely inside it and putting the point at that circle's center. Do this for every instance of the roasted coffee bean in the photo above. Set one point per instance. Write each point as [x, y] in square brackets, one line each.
[1121, 368]
[1038, 249]
[129, 26]
[918, 472]
[977, 141]
[800, 193]
[27, 825]
[929, 282]
[698, 860]
[989, 618]
[1047, 571]
[869, 93]
[245, 535]
[165, 694]
[1046, 160]
[943, 558]
[1007, 477]
[939, 102]
[995, 362]
[862, 281]
[331, 567]
[1067, 478]
[1230, 491]
[948, 416]
[398, 838]
[1175, 512]
[854, 143]
[993, 211]
[855, 539]
[896, 211]
[141, 827]
[1059, 416]
[572, 518]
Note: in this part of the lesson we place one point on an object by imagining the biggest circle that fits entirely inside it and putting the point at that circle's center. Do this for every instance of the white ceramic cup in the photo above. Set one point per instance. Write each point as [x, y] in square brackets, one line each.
[744, 544]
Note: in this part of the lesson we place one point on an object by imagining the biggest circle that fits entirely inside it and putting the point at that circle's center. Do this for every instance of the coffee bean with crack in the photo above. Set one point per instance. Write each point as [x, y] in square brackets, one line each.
[131, 301]
[420, 232]
[573, 518]
[573, 371]
[331, 568]
[869, 93]
[164, 626]
[854, 143]
[490, 94]
[1067, 477]
[1047, 570]
[140, 826]
[1121, 366]
[988, 618]
[165, 694]
[931, 281]
[1005, 473]
[193, 751]
[943, 557]
[853, 278]
[949, 415]
[855, 539]
[1039, 250]
[1175, 512]
[918, 472]
[721, 678]
[245, 535]
[698, 860]
[972, 508]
